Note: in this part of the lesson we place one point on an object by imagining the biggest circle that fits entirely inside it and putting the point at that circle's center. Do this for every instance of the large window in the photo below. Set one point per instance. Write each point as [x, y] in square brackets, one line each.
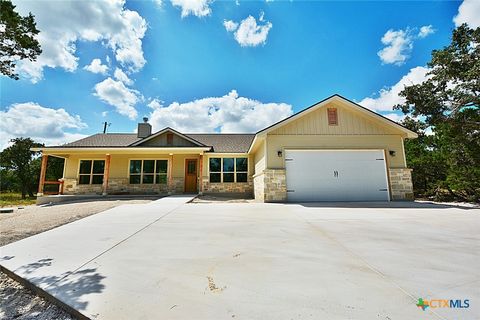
[148, 171]
[91, 171]
[228, 169]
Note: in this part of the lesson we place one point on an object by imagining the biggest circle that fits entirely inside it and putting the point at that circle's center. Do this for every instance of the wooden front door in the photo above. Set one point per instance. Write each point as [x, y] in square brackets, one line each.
[191, 175]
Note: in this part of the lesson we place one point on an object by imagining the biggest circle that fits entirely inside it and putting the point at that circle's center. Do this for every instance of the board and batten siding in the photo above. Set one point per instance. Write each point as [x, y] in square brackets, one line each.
[349, 122]
[354, 131]
[259, 159]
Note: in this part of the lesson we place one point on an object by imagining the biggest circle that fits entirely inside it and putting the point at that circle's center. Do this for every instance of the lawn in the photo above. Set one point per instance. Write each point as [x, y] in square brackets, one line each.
[8, 199]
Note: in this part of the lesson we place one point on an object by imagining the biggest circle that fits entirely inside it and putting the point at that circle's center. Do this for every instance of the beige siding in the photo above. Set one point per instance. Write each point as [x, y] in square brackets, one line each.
[259, 159]
[277, 143]
[350, 122]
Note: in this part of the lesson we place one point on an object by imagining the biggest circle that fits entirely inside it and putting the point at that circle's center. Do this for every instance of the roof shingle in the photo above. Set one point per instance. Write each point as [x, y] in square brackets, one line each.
[228, 143]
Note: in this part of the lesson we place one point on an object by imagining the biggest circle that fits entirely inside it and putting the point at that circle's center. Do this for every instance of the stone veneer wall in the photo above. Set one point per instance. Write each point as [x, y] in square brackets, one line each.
[275, 185]
[228, 187]
[120, 185]
[401, 183]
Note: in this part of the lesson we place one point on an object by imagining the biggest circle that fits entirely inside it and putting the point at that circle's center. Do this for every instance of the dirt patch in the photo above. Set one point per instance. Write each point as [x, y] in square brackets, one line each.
[16, 301]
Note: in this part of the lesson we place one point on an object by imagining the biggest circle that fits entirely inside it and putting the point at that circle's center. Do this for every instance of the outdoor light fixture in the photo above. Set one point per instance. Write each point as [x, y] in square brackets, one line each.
[279, 153]
[392, 153]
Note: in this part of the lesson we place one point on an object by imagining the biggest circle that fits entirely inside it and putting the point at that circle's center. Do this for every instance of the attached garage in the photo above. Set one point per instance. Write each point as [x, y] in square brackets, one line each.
[336, 175]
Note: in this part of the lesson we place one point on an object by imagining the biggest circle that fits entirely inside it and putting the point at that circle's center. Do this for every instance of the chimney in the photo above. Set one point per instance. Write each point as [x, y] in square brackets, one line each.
[144, 129]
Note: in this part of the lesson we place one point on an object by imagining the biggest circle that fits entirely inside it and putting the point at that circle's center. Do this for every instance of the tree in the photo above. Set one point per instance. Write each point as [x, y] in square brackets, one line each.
[17, 39]
[20, 159]
[448, 103]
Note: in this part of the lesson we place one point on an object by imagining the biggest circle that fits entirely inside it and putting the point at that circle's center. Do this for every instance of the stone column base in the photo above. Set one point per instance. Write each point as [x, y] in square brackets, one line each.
[401, 185]
[270, 186]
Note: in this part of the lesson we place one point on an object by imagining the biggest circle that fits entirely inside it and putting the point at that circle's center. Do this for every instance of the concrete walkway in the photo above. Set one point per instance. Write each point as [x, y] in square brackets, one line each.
[168, 260]
[56, 260]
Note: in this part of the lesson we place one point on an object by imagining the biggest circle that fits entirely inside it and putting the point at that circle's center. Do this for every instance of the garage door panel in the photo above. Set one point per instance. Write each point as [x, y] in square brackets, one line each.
[332, 175]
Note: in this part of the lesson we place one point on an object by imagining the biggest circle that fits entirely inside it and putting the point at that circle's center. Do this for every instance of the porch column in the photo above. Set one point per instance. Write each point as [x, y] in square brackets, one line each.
[106, 174]
[200, 187]
[43, 170]
[170, 175]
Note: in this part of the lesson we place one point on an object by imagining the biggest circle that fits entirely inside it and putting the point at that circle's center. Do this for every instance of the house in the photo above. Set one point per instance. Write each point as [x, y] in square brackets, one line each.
[335, 150]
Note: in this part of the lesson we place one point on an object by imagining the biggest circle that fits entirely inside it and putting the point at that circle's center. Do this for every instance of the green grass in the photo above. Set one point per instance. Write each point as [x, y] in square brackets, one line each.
[9, 199]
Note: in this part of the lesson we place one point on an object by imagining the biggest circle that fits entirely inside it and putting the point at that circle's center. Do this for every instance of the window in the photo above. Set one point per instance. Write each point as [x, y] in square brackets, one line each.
[228, 170]
[91, 171]
[332, 116]
[148, 171]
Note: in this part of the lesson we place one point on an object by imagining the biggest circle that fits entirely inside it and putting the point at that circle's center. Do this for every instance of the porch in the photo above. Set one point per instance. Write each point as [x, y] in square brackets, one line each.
[116, 173]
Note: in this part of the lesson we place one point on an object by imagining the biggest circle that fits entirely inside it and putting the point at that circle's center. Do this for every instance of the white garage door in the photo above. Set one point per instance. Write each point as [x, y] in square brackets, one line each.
[336, 175]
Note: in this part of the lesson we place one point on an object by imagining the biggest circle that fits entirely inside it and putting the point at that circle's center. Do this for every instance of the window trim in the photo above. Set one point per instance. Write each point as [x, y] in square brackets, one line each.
[91, 174]
[154, 171]
[221, 172]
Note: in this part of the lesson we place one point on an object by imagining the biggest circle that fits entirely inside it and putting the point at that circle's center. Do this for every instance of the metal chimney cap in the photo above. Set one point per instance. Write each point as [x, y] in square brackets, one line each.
[145, 119]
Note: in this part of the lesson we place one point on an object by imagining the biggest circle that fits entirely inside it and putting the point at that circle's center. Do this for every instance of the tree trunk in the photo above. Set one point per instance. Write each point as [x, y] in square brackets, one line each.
[24, 193]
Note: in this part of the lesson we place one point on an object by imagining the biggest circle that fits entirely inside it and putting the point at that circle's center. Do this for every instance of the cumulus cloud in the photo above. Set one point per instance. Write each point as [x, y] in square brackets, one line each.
[425, 31]
[42, 124]
[96, 66]
[398, 45]
[468, 13]
[199, 8]
[229, 113]
[248, 33]
[120, 75]
[118, 28]
[230, 25]
[389, 97]
[397, 117]
[116, 94]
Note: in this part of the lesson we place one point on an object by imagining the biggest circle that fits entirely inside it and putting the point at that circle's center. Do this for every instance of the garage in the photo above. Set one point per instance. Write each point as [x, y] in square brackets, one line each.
[336, 175]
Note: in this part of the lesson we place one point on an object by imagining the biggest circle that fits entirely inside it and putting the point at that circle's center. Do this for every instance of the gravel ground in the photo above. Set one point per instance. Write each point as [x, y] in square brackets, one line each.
[16, 301]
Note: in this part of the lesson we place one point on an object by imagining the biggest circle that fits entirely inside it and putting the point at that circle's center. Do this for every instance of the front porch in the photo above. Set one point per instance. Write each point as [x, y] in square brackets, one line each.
[116, 173]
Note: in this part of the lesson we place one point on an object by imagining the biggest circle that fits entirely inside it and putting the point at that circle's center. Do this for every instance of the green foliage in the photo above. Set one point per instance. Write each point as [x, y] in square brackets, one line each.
[20, 160]
[448, 102]
[17, 39]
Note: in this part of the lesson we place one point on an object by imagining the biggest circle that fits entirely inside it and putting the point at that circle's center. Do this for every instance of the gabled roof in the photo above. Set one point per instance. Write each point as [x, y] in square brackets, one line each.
[222, 143]
[365, 111]
[167, 129]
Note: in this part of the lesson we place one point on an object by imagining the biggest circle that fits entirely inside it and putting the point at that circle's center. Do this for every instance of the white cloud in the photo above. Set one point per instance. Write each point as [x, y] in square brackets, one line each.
[116, 94]
[120, 75]
[230, 25]
[63, 23]
[426, 31]
[229, 113]
[199, 8]
[96, 66]
[389, 97]
[155, 104]
[468, 13]
[249, 33]
[399, 44]
[159, 3]
[42, 124]
[394, 116]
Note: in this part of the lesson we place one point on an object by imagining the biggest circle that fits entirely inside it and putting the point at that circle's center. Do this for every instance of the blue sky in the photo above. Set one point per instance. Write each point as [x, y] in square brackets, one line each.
[203, 66]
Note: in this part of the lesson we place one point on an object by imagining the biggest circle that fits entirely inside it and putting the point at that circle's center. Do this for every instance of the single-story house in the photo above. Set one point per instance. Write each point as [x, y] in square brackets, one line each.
[335, 150]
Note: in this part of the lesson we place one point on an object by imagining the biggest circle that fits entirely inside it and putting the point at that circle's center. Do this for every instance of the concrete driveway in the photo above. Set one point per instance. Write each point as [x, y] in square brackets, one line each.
[171, 260]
